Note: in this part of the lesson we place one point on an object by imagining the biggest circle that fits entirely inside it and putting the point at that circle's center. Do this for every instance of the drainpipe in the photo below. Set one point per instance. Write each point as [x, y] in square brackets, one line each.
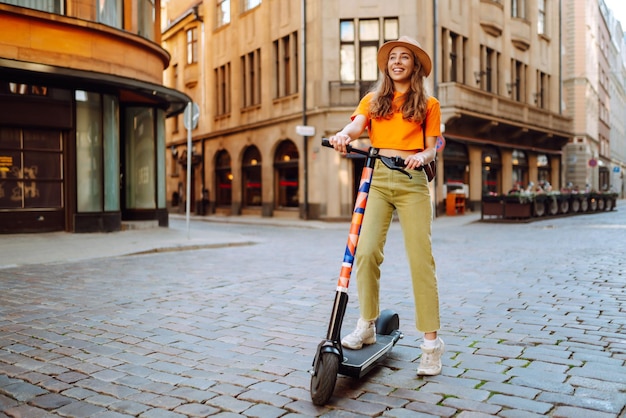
[304, 117]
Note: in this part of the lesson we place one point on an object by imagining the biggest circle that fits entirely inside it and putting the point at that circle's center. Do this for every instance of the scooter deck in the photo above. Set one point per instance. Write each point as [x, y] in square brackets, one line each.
[357, 363]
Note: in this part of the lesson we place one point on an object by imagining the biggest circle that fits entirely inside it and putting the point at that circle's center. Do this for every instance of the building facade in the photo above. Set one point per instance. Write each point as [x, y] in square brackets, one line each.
[82, 115]
[262, 70]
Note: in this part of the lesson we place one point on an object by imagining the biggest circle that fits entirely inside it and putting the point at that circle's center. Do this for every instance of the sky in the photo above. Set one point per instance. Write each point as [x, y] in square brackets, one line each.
[618, 7]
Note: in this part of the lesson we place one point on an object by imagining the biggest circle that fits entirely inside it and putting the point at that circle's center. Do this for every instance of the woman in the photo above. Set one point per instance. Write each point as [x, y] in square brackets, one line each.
[394, 115]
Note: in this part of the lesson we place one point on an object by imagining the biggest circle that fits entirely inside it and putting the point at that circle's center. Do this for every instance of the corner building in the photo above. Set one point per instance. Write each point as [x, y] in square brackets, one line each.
[259, 69]
[82, 115]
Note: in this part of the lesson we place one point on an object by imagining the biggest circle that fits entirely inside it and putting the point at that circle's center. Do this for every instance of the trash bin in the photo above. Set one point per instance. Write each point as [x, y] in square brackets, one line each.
[455, 204]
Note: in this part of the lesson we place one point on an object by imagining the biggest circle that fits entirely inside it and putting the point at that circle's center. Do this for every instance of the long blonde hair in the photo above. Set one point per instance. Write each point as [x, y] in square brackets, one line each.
[413, 102]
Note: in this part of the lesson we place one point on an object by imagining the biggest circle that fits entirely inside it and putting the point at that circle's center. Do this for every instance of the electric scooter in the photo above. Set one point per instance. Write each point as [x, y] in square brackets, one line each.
[331, 358]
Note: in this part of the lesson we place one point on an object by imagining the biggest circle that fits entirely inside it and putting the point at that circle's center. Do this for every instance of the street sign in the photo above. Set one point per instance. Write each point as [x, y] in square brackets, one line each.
[305, 130]
[191, 115]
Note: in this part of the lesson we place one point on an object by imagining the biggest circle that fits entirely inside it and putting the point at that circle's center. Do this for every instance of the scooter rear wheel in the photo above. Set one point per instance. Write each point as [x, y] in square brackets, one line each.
[324, 379]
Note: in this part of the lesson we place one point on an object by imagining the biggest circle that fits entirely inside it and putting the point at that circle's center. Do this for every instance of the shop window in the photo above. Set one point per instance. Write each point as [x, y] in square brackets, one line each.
[140, 177]
[287, 175]
[520, 169]
[457, 163]
[492, 164]
[252, 190]
[544, 171]
[31, 173]
[224, 179]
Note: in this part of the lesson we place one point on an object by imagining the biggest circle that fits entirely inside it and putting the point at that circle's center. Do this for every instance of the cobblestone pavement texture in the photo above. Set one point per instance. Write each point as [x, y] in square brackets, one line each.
[223, 319]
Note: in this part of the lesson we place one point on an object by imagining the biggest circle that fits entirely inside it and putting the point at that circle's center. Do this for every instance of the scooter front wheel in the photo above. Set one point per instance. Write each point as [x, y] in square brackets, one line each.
[324, 378]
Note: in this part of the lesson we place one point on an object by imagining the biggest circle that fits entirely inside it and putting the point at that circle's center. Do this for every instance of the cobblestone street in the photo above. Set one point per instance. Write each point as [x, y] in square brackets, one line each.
[533, 317]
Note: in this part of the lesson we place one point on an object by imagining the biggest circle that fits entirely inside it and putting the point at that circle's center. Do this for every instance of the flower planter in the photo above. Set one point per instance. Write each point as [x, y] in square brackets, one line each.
[517, 210]
[492, 206]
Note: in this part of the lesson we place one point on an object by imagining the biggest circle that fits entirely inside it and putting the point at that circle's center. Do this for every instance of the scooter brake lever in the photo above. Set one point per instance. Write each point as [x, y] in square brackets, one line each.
[395, 163]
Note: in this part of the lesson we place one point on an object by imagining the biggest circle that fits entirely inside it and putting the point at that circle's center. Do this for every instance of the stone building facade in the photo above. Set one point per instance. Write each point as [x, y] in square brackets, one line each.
[260, 70]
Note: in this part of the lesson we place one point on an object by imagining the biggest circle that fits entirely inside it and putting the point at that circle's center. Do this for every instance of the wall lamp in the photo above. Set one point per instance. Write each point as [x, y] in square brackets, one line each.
[478, 75]
[510, 86]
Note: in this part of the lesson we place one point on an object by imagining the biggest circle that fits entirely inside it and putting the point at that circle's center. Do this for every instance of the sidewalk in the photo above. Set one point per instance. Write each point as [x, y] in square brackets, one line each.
[59, 247]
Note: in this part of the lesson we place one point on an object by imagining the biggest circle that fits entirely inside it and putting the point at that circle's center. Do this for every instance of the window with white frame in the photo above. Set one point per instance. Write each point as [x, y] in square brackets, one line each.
[357, 53]
[223, 13]
[192, 46]
[541, 17]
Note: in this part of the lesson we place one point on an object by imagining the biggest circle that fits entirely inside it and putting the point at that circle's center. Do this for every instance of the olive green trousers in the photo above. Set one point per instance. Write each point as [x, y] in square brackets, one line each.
[391, 190]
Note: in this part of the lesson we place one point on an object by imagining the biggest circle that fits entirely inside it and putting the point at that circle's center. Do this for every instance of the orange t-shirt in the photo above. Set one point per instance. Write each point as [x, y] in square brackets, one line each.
[398, 133]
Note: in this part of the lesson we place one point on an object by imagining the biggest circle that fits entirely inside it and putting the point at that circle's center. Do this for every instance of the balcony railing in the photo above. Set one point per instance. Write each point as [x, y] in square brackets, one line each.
[480, 102]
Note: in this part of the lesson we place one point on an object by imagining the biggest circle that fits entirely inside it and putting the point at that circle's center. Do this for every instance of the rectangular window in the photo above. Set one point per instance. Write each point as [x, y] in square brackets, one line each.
[251, 78]
[31, 168]
[111, 147]
[358, 54]
[192, 46]
[146, 19]
[487, 77]
[89, 158]
[347, 54]
[222, 88]
[140, 168]
[518, 9]
[50, 6]
[286, 65]
[518, 80]
[454, 46]
[540, 96]
[541, 18]
[110, 13]
[250, 4]
[223, 13]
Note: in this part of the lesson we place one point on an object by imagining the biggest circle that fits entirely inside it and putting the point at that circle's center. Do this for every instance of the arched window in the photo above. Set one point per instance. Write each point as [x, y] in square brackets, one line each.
[223, 179]
[251, 170]
[286, 175]
[491, 169]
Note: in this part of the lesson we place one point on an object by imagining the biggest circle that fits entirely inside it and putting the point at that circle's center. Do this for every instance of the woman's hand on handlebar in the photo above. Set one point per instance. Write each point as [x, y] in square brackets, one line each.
[339, 141]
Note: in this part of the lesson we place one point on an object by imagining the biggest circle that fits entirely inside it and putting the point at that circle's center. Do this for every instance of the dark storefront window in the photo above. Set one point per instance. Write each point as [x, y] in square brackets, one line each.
[252, 177]
[31, 169]
[456, 163]
[543, 168]
[224, 179]
[491, 170]
[520, 169]
[286, 174]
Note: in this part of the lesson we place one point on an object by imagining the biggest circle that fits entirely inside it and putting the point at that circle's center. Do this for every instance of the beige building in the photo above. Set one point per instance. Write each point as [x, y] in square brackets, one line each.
[259, 69]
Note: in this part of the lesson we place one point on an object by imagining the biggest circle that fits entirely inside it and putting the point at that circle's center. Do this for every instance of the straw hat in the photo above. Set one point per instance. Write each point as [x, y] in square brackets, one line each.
[410, 43]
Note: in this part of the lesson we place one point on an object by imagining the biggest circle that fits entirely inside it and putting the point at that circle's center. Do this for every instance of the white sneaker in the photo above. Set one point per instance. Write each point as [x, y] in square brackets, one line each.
[430, 363]
[364, 334]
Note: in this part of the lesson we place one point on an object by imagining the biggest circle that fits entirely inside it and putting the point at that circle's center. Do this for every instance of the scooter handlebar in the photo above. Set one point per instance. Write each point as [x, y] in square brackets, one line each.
[394, 163]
